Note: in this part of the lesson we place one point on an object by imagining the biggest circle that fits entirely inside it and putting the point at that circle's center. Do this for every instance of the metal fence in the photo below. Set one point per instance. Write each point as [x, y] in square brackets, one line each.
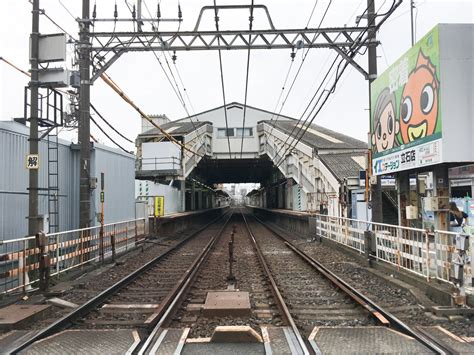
[430, 254]
[21, 259]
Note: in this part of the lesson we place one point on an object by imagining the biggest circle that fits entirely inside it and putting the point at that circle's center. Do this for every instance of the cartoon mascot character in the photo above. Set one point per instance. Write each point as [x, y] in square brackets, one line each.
[419, 101]
[386, 127]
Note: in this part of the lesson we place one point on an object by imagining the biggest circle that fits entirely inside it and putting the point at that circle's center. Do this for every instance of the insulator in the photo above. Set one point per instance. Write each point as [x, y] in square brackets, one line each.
[115, 11]
[134, 14]
[180, 14]
[94, 12]
[158, 11]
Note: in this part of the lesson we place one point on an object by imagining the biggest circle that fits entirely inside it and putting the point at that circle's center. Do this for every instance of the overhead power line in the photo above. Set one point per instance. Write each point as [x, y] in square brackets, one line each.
[355, 50]
[105, 133]
[216, 18]
[246, 80]
[108, 124]
[124, 96]
[300, 66]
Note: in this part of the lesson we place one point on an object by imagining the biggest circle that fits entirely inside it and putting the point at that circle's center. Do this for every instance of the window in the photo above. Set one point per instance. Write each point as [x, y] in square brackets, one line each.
[247, 132]
[221, 132]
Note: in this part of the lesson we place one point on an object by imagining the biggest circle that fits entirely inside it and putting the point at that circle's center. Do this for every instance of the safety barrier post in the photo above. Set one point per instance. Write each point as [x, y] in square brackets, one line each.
[24, 267]
[57, 255]
[41, 242]
[112, 243]
[427, 238]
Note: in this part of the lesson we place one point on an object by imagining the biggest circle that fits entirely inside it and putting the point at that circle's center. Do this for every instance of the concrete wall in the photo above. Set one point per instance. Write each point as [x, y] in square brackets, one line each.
[173, 196]
[172, 225]
[292, 222]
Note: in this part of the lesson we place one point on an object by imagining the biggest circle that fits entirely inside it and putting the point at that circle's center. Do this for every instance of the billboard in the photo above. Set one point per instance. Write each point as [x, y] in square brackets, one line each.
[405, 119]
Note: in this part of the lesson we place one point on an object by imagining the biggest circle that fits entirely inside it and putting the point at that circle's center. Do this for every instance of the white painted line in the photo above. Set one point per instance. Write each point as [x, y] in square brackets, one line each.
[182, 341]
[266, 341]
[158, 342]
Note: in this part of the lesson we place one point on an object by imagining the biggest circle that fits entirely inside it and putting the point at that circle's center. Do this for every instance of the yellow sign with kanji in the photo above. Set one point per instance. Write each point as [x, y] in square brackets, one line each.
[32, 161]
[159, 206]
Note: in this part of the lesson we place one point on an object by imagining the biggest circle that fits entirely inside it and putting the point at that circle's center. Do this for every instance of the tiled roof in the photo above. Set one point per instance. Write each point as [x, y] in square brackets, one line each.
[319, 137]
[343, 165]
[174, 128]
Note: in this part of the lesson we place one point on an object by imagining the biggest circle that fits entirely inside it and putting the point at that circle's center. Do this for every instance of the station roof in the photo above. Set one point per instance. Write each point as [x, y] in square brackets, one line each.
[174, 128]
[316, 136]
[344, 165]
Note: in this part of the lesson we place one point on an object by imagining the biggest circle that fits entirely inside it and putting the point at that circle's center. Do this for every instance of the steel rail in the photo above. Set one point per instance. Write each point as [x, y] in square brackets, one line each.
[371, 306]
[168, 305]
[276, 292]
[90, 305]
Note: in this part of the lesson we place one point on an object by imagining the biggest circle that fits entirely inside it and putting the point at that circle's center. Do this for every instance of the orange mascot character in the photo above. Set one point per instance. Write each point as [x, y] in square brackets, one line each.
[419, 101]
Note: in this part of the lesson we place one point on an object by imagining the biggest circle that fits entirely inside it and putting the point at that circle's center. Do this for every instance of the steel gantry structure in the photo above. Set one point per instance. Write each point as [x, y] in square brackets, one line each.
[107, 47]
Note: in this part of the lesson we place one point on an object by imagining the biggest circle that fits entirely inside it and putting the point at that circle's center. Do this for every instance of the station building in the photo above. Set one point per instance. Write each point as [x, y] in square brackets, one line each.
[319, 173]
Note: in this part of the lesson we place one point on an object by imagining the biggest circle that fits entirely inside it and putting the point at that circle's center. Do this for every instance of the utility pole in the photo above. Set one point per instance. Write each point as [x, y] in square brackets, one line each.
[376, 189]
[33, 218]
[84, 119]
[412, 6]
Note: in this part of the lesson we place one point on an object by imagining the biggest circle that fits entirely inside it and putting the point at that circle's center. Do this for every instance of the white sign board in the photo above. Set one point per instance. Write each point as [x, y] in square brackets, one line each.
[32, 161]
[161, 156]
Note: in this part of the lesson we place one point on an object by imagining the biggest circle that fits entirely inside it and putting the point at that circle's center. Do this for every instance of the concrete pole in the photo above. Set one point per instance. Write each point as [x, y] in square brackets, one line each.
[84, 124]
[377, 215]
[33, 217]
[183, 195]
[193, 196]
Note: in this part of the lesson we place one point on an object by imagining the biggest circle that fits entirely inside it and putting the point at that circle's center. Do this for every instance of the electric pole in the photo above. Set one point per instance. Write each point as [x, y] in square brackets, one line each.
[84, 119]
[33, 218]
[376, 189]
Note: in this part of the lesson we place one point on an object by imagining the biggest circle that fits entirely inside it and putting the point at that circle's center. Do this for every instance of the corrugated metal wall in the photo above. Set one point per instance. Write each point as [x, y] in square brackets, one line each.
[119, 173]
[14, 182]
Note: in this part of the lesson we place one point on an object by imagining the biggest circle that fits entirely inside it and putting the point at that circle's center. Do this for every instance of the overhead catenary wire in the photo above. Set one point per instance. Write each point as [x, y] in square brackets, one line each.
[216, 18]
[355, 50]
[108, 124]
[297, 125]
[299, 68]
[105, 134]
[92, 106]
[246, 79]
[175, 87]
[124, 96]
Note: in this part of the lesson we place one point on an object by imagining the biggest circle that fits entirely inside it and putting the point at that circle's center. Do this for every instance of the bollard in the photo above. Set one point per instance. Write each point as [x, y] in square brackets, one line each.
[112, 243]
[41, 242]
[231, 277]
[369, 252]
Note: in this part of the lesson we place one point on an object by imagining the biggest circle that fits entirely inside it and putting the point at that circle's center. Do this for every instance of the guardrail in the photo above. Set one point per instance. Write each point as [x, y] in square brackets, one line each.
[430, 254]
[22, 260]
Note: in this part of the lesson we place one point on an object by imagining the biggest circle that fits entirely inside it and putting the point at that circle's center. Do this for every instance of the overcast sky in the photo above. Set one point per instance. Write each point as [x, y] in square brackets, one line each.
[141, 77]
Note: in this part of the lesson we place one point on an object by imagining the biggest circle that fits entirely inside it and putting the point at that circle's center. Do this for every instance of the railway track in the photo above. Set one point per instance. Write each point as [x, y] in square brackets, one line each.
[286, 288]
[131, 302]
[321, 298]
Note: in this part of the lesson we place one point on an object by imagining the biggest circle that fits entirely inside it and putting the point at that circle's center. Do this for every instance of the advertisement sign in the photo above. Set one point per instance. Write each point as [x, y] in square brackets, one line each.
[405, 121]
